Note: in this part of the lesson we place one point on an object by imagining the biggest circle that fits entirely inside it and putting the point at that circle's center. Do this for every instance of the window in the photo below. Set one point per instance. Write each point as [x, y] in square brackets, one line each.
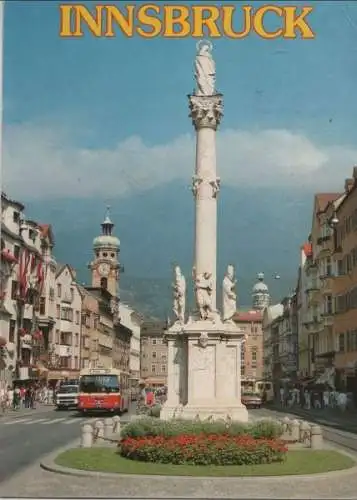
[32, 234]
[348, 341]
[254, 357]
[163, 368]
[16, 217]
[153, 368]
[340, 268]
[12, 326]
[341, 342]
[104, 283]
[57, 337]
[154, 354]
[72, 294]
[58, 311]
[67, 314]
[66, 338]
[77, 317]
[77, 340]
[42, 309]
[163, 357]
[242, 371]
[64, 362]
[59, 290]
[153, 341]
[14, 287]
[76, 364]
[95, 323]
[16, 251]
[328, 266]
[328, 304]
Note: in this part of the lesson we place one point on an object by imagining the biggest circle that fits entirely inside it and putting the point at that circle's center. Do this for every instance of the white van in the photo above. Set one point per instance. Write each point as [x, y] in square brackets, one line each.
[67, 397]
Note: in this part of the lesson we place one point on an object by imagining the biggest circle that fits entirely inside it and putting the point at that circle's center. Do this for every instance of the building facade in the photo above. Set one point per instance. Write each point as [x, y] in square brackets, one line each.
[65, 352]
[153, 366]
[90, 331]
[250, 321]
[270, 328]
[344, 288]
[26, 310]
[132, 320]
[303, 312]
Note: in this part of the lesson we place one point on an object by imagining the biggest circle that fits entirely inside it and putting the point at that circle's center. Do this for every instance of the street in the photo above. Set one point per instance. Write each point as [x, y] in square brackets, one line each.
[26, 436]
[27, 439]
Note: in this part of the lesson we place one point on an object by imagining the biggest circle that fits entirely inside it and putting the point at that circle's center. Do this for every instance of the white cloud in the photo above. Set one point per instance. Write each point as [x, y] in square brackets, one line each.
[39, 162]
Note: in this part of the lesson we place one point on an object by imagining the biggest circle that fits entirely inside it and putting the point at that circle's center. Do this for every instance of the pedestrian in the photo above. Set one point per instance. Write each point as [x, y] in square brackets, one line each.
[17, 398]
[10, 397]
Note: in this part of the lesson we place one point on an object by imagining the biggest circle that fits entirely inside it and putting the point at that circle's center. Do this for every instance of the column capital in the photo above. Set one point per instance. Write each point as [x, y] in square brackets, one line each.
[206, 111]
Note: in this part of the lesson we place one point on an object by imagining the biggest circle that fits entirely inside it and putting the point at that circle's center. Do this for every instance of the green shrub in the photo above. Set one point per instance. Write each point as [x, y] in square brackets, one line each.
[154, 411]
[152, 427]
[204, 449]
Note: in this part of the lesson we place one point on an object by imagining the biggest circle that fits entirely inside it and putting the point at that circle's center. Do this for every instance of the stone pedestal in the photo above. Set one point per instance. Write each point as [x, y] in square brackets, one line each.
[204, 377]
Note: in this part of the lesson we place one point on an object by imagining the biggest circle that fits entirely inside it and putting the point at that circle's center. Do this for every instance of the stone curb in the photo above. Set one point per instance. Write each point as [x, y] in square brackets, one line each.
[49, 465]
[305, 414]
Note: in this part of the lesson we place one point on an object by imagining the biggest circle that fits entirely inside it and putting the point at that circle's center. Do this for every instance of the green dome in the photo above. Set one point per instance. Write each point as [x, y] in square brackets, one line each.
[106, 240]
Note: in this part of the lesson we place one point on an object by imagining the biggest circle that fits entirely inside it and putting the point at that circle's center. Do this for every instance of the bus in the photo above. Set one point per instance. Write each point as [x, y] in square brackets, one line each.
[103, 390]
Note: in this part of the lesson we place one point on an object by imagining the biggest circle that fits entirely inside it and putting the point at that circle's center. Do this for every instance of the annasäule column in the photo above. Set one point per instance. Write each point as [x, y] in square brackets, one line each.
[206, 111]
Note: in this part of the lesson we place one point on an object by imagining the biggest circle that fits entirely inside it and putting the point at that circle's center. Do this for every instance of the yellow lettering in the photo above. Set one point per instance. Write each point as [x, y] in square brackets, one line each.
[199, 21]
[65, 20]
[149, 20]
[125, 23]
[227, 16]
[258, 21]
[294, 21]
[176, 15]
[94, 24]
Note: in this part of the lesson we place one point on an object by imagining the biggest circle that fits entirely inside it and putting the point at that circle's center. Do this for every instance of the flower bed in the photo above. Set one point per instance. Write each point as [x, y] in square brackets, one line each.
[204, 449]
[203, 442]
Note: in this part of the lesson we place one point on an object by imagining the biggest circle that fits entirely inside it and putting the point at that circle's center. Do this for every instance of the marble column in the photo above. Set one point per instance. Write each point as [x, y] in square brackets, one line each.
[206, 113]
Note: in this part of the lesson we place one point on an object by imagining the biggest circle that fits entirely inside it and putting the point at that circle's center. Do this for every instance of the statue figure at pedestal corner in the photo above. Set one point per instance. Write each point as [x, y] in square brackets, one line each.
[196, 181]
[205, 69]
[179, 295]
[229, 296]
[203, 292]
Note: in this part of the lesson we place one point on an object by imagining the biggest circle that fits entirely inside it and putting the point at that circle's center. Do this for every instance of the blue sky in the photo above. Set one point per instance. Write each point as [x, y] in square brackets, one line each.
[97, 93]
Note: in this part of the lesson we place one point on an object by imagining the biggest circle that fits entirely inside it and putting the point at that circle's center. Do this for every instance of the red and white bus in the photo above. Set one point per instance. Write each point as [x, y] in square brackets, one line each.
[103, 389]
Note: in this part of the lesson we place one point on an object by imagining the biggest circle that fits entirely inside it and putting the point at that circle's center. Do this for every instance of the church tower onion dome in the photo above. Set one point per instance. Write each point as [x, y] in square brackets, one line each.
[260, 294]
[107, 239]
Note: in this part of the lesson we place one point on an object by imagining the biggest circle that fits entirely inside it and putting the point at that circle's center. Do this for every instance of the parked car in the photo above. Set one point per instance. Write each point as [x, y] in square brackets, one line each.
[252, 400]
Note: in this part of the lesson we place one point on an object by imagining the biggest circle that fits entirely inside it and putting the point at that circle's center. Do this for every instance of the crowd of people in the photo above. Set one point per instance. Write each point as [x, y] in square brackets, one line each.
[316, 398]
[19, 397]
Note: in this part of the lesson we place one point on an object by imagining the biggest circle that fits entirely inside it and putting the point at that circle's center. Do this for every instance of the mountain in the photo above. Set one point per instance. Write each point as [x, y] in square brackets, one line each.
[260, 229]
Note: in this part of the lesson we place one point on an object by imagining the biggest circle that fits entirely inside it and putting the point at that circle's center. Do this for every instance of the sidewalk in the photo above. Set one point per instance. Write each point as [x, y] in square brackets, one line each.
[23, 412]
[330, 416]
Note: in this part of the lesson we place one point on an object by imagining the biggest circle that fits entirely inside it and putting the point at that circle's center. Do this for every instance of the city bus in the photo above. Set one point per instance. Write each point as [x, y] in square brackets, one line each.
[103, 390]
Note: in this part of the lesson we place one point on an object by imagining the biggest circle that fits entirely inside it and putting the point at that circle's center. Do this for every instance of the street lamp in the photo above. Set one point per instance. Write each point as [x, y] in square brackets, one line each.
[333, 221]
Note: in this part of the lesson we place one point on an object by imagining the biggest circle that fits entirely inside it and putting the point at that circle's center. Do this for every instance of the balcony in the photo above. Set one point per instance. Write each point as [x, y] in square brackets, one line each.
[313, 296]
[63, 351]
[327, 283]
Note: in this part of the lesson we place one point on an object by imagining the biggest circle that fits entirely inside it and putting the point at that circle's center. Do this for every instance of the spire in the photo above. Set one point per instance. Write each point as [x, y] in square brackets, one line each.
[107, 225]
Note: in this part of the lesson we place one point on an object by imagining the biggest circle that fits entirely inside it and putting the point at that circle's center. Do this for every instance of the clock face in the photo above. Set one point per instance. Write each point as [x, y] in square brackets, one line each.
[104, 269]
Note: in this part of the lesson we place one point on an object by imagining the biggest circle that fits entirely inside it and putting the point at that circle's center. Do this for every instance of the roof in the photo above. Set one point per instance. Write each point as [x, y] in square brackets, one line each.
[248, 316]
[273, 312]
[323, 199]
[307, 248]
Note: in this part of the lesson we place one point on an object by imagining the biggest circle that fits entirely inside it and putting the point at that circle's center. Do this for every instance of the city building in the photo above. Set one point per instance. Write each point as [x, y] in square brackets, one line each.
[302, 312]
[90, 332]
[344, 288]
[286, 368]
[153, 365]
[132, 320]
[270, 328]
[250, 321]
[64, 358]
[320, 277]
[25, 312]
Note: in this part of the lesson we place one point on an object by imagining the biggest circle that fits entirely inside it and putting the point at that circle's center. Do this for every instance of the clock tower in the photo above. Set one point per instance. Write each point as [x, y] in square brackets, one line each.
[105, 266]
